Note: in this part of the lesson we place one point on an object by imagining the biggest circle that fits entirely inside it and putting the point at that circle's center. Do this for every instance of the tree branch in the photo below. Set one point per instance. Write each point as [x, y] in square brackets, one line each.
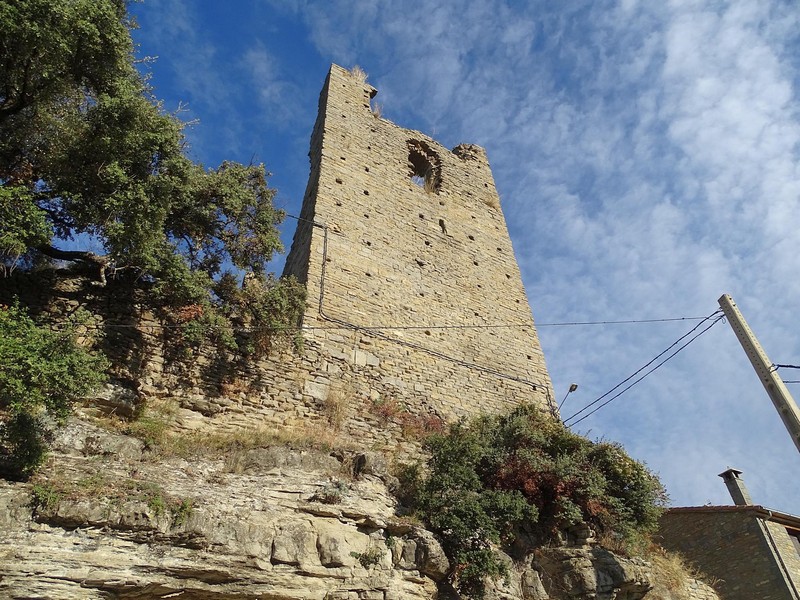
[101, 262]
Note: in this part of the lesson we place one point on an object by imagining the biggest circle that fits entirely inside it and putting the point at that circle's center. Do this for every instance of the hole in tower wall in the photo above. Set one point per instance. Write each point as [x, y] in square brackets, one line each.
[424, 166]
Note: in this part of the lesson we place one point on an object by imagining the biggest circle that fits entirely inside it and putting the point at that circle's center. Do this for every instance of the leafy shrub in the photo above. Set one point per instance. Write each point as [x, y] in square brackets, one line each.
[371, 557]
[498, 479]
[45, 496]
[181, 511]
[386, 409]
[331, 493]
[42, 372]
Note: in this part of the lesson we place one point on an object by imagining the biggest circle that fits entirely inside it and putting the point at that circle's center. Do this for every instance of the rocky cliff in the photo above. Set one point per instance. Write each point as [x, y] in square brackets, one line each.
[109, 518]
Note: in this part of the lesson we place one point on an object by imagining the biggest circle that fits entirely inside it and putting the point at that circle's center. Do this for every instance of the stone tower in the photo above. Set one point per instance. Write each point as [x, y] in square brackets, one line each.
[410, 271]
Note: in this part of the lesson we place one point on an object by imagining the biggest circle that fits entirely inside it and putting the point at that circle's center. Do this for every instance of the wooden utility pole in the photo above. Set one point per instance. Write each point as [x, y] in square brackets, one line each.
[765, 369]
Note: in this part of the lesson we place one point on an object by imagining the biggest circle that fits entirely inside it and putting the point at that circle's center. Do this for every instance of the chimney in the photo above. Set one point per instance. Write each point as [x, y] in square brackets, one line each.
[736, 487]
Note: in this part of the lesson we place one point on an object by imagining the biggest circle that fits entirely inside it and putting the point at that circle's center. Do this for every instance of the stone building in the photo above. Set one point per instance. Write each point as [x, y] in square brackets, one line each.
[754, 552]
[408, 263]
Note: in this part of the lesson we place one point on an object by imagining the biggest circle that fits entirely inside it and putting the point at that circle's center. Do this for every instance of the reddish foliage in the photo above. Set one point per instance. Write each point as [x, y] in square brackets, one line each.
[422, 425]
[189, 312]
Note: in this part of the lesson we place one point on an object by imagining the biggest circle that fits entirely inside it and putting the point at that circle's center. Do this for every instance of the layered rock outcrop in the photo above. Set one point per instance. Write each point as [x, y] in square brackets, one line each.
[109, 519]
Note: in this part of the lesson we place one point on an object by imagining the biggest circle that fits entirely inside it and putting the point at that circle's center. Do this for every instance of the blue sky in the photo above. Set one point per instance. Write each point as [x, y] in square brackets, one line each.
[647, 156]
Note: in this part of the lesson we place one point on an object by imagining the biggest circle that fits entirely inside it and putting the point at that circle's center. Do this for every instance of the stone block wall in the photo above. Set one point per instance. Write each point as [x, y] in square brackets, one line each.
[408, 262]
[786, 551]
[728, 544]
[340, 395]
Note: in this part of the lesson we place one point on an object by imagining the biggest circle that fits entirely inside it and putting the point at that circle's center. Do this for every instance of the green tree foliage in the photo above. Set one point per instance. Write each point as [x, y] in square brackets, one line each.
[42, 372]
[86, 149]
[22, 226]
[524, 476]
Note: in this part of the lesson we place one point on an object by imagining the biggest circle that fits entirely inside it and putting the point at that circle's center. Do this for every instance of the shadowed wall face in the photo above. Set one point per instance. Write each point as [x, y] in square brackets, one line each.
[414, 242]
[750, 557]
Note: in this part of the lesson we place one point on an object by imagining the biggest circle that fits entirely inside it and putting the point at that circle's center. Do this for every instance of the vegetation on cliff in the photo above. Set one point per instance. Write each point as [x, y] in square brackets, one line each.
[523, 478]
[87, 153]
[42, 372]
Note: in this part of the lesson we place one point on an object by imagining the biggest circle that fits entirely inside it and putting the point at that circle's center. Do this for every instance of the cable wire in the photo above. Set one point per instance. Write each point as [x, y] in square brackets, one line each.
[675, 343]
[621, 322]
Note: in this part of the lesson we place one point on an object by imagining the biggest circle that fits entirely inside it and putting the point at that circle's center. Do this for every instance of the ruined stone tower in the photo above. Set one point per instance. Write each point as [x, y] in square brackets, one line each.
[410, 271]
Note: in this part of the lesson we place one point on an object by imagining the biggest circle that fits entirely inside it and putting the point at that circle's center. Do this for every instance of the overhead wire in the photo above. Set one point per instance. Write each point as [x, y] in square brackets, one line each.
[247, 328]
[569, 420]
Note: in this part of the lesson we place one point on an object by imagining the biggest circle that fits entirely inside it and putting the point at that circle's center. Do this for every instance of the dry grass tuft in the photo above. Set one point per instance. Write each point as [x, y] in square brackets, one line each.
[671, 573]
[359, 74]
[336, 406]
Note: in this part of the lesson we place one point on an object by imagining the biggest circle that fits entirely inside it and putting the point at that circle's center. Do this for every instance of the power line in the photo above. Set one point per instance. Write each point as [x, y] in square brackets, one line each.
[390, 327]
[675, 343]
[620, 322]
[786, 367]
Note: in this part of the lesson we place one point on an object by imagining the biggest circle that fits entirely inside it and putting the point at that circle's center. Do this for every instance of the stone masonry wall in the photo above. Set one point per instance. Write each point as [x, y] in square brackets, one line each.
[409, 265]
[309, 389]
[786, 550]
[730, 546]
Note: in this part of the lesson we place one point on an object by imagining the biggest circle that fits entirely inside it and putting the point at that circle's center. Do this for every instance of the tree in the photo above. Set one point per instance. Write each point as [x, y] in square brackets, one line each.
[86, 149]
[42, 372]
